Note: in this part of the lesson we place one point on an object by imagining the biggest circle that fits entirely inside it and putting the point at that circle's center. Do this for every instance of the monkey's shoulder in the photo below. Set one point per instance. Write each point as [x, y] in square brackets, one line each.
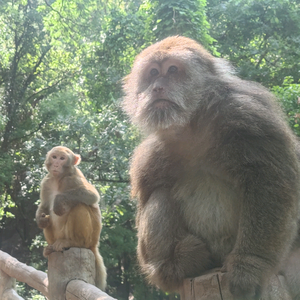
[47, 178]
[49, 183]
[75, 174]
[249, 113]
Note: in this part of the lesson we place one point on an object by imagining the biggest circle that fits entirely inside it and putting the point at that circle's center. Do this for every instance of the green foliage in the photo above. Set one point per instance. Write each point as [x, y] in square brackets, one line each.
[185, 17]
[21, 289]
[261, 37]
[289, 96]
[6, 169]
[61, 69]
[5, 206]
[31, 69]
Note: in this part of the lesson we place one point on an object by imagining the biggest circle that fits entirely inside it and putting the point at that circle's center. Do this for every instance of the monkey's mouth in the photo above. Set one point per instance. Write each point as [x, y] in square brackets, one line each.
[163, 104]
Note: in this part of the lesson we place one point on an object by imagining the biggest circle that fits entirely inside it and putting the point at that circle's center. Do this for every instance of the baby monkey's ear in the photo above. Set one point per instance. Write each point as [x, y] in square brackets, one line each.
[77, 159]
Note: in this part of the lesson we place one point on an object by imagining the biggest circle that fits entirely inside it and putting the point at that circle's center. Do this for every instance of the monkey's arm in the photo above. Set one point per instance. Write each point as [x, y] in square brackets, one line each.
[82, 193]
[263, 161]
[43, 211]
[42, 216]
[166, 251]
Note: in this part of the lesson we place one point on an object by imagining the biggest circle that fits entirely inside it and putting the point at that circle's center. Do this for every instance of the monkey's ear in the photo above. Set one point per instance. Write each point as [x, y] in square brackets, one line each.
[77, 159]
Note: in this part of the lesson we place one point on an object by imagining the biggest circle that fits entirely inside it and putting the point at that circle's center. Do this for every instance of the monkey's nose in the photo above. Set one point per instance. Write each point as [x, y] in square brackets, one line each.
[158, 89]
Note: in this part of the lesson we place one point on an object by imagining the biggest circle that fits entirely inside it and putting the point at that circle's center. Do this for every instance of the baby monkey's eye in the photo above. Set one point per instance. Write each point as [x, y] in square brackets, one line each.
[173, 69]
[54, 156]
[154, 72]
[62, 158]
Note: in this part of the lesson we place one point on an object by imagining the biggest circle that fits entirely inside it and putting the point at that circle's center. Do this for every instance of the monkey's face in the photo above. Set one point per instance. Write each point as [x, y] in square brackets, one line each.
[56, 161]
[60, 159]
[164, 86]
[161, 98]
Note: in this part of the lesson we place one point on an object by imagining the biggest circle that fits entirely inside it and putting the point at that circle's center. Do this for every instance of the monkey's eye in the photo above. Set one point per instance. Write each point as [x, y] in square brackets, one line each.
[62, 158]
[172, 69]
[54, 156]
[154, 72]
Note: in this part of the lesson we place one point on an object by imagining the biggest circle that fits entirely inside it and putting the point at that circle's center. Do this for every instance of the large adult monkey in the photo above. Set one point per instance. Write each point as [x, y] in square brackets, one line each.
[217, 176]
[69, 212]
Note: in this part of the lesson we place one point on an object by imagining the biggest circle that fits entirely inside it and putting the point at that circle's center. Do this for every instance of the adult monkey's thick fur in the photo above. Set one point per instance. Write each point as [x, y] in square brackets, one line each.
[69, 213]
[217, 176]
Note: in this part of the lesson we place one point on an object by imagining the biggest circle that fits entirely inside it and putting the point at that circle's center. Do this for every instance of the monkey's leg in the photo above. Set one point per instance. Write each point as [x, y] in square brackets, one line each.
[49, 235]
[167, 252]
[291, 271]
[78, 230]
[48, 250]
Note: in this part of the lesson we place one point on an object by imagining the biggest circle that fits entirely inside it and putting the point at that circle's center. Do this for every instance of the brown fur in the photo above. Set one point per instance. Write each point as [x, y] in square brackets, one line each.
[69, 212]
[217, 176]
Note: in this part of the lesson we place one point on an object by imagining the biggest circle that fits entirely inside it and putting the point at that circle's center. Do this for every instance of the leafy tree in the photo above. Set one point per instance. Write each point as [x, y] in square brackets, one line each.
[31, 69]
[185, 17]
[261, 38]
[289, 96]
[50, 105]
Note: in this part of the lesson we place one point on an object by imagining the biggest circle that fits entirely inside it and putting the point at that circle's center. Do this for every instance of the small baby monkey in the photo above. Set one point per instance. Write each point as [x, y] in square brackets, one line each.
[69, 213]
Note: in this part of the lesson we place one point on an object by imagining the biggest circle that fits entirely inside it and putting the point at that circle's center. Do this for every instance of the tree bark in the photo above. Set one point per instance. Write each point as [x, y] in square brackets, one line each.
[214, 286]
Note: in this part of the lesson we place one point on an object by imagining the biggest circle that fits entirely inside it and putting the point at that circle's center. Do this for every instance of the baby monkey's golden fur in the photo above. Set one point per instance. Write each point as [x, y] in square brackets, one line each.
[69, 213]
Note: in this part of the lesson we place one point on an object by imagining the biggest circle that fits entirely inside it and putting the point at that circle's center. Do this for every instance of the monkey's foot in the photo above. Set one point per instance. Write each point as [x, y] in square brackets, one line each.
[247, 275]
[61, 245]
[48, 250]
[56, 247]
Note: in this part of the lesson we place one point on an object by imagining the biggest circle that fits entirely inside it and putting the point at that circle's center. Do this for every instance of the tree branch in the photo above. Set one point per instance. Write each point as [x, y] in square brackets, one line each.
[37, 94]
[29, 134]
[112, 180]
[32, 76]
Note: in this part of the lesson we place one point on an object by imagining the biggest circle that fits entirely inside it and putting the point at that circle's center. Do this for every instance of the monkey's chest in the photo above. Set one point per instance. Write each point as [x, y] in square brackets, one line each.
[57, 222]
[210, 210]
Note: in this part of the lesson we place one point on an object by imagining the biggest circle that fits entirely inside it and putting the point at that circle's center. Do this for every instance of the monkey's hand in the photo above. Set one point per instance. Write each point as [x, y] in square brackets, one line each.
[247, 275]
[42, 220]
[62, 204]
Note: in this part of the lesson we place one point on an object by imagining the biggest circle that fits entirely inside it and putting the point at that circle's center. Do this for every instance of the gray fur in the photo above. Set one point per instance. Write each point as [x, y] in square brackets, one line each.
[217, 178]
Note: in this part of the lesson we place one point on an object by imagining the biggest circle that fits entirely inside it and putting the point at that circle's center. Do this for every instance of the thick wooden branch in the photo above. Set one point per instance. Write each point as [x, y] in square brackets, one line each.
[214, 286]
[72, 275]
[80, 290]
[74, 263]
[15, 269]
[7, 287]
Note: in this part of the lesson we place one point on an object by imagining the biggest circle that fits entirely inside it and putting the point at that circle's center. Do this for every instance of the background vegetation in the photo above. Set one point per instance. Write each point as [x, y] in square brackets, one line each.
[61, 69]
